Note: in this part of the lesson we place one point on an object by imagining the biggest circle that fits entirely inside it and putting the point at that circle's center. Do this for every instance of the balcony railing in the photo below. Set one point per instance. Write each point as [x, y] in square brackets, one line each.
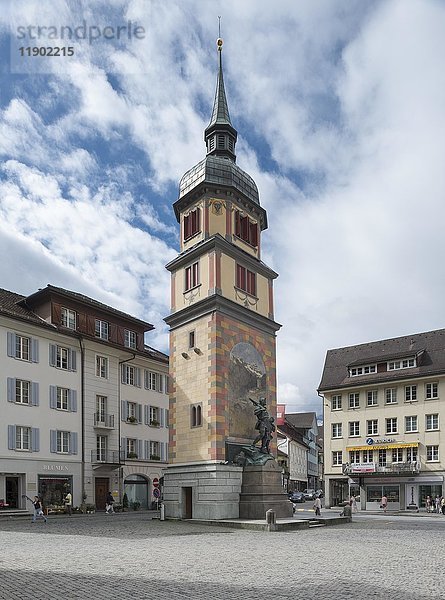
[374, 468]
[110, 457]
[104, 421]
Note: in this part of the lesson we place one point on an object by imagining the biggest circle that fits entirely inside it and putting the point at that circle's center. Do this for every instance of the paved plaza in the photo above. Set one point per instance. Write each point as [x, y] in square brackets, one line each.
[131, 556]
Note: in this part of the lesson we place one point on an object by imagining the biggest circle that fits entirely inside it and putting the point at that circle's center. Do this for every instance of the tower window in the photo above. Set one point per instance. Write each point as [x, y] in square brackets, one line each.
[221, 142]
[230, 144]
[191, 276]
[211, 144]
[196, 415]
[246, 229]
[191, 339]
[192, 223]
[245, 280]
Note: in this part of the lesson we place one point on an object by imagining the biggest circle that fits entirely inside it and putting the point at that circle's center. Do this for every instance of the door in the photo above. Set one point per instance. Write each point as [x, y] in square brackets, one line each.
[187, 502]
[12, 492]
[102, 487]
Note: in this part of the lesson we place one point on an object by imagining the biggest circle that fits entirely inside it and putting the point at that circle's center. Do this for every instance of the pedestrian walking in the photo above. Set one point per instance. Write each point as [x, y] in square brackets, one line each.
[68, 503]
[353, 504]
[428, 504]
[109, 510]
[437, 503]
[384, 503]
[442, 505]
[317, 507]
[38, 510]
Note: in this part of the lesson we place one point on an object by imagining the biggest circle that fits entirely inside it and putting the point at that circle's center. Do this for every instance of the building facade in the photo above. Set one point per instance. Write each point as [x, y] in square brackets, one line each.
[85, 403]
[383, 409]
[222, 328]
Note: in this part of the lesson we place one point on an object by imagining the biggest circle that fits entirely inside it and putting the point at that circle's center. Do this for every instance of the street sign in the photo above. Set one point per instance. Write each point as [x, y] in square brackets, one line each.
[156, 493]
[155, 482]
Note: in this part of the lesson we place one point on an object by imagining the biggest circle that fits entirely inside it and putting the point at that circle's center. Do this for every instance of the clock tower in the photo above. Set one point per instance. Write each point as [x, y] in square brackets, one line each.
[222, 327]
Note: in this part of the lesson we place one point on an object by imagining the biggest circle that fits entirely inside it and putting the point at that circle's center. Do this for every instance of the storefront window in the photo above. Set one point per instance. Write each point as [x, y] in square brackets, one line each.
[428, 490]
[374, 493]
[53, 490]
[136, 488]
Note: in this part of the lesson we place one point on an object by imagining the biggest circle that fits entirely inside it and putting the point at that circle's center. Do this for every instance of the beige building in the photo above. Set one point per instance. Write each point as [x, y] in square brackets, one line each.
[383, 411]
[85, 403]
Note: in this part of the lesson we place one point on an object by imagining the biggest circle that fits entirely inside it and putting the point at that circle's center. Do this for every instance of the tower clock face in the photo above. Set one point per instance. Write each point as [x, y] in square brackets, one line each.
[247, 379]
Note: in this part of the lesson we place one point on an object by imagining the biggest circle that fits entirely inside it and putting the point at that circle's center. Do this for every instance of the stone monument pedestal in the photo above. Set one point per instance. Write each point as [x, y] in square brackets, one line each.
[261, 490]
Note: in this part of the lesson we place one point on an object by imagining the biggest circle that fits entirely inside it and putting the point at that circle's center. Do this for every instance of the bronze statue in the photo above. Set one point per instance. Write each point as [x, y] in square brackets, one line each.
[264, 425]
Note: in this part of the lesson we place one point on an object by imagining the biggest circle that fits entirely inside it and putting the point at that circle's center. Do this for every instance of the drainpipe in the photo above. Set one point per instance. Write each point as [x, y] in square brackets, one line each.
[82, 409]
[120, 478]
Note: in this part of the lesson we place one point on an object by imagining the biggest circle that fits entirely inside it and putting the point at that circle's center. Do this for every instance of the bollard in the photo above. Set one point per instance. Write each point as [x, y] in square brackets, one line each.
[162, 512]
[347, 512]
[271, 520]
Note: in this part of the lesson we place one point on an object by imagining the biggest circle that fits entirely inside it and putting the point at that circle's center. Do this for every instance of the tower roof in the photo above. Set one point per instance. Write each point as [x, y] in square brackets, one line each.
[220, 113]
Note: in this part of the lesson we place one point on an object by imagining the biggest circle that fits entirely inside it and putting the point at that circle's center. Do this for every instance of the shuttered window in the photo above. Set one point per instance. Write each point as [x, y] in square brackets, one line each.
[246, 229]
[192, 223]
[245, 280]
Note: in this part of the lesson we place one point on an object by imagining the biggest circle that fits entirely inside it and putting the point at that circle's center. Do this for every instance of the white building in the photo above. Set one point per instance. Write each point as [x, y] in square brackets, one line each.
[85, 402]
[383, 409]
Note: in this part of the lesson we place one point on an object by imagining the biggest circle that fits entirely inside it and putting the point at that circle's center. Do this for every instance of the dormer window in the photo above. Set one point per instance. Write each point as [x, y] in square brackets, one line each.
[192, 223]
[68, 318]
[362, 370]
[405, 363]
[246, 229]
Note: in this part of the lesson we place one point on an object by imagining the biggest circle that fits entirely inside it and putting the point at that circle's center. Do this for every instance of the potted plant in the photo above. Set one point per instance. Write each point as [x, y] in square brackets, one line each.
[135, 505]
[154, 423]
[125, 502]
[154, 457]
[132, 455]
[131, 419]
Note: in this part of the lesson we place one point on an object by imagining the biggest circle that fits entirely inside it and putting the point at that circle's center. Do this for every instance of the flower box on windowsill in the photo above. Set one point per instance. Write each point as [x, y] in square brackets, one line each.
[154, 457]
[131, 420]
[154, 423]
[132, 455]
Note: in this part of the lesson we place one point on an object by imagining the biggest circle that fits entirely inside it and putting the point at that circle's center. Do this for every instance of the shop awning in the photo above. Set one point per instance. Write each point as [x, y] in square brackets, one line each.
[384, 446]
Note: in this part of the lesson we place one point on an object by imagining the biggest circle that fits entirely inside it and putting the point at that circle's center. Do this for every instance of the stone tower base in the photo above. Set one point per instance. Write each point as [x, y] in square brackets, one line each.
[202, 491]
[262, 490]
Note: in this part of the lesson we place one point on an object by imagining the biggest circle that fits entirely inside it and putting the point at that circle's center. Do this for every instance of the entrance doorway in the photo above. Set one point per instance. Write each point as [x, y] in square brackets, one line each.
[187, 502]
[102, 487]
[12, 491]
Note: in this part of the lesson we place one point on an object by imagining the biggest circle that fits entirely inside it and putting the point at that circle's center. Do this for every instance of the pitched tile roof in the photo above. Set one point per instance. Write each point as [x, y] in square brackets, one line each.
[302, 420]
[428, 347]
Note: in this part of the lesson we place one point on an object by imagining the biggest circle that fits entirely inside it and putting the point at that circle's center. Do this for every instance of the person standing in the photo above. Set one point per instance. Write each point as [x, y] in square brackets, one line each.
[68, 503]
[38, 510]
[384, 503]
[353, 504]
[109, 510]
[442, 504]
[428, 504]
[317, 507]
[437, 504]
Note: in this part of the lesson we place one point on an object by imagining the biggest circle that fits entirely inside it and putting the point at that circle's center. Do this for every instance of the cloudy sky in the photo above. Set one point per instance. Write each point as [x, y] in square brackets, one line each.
[339, 108]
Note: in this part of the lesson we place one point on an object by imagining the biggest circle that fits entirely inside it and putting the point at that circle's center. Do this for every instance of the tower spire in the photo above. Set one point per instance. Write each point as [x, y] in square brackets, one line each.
[220, 136]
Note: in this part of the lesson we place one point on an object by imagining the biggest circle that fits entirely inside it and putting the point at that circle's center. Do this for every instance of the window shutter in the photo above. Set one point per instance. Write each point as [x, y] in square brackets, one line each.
[146, 450]
[35, 439]
[167, 412]
[237, 224]
[161, 417]
[56, 314]
[254, 234]
[137, 376]
[72, 400]
[123, 372]
[52, 355]
[53, 440]
[11, 389]
[52, 396]
[72, 360]
[140, 447]
[197, 220]
[139, 412]
[11, 340]
[11, 437]
[186, 227]
[162, 448]
[146, 415]
[34, 393]
[146, 382]
[124, 447]
[73, 442]
[161, 382]
[124, 410]
[34, 350]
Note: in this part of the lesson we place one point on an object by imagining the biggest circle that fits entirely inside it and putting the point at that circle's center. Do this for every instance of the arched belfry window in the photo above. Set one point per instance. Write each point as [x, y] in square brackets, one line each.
[196, 415]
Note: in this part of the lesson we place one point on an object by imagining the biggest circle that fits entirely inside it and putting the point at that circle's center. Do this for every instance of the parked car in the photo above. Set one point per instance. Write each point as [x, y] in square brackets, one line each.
[309, 494]
[296, 497]
[319, 494]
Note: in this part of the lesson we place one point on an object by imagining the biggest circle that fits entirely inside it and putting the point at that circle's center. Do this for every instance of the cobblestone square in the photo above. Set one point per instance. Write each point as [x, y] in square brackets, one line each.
[131, 556]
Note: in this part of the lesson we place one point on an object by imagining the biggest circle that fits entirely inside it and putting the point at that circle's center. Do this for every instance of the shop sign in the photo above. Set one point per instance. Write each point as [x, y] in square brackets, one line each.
[55, 468]
[362, 468]
[371, 441]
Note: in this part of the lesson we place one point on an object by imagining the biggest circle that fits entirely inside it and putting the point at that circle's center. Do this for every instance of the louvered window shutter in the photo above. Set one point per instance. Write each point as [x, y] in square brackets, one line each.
[34, 393]
[53, 441]
[11, 341]
[34, 350]
[52, 355]
[35, 439]
[11, 437]
[52, 396]
[11, 389]
[72, 395]
[73, 442]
